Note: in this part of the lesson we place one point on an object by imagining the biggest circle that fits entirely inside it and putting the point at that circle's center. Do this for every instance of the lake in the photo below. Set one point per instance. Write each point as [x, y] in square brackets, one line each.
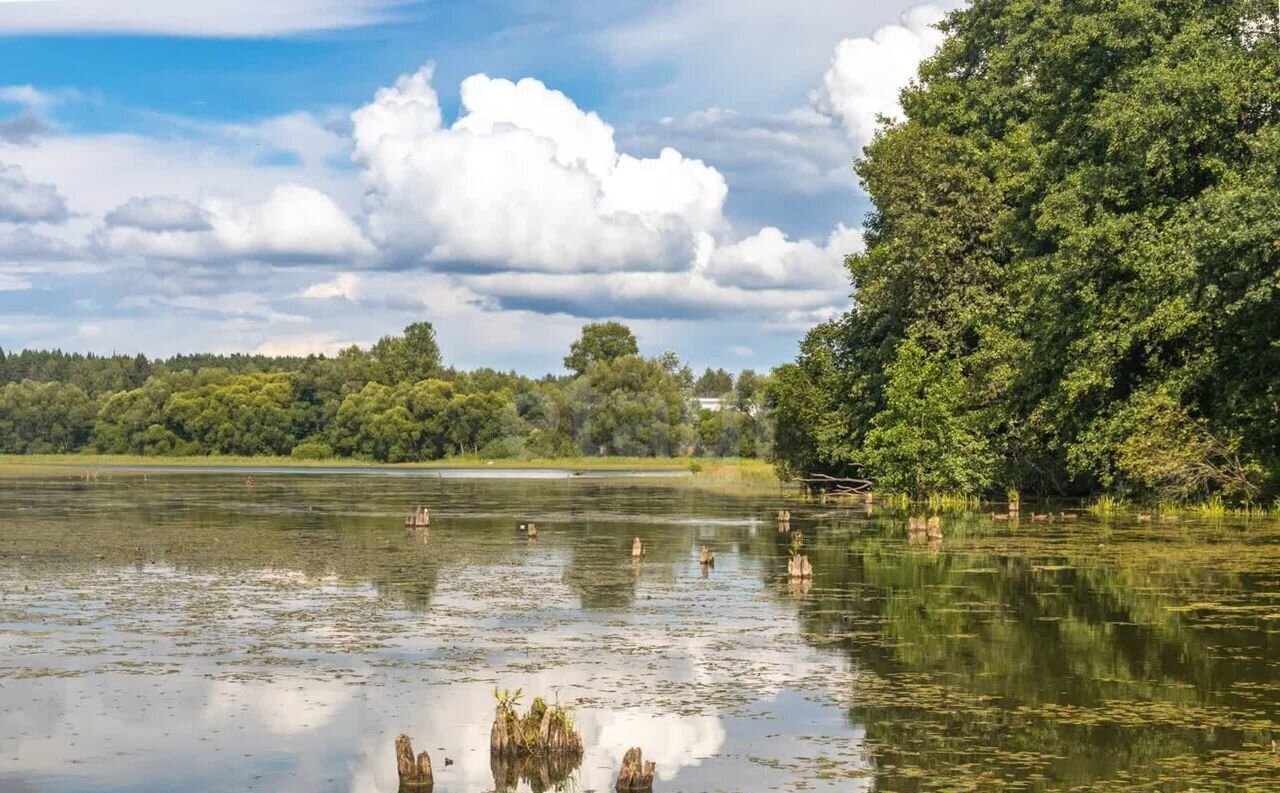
[183, 631]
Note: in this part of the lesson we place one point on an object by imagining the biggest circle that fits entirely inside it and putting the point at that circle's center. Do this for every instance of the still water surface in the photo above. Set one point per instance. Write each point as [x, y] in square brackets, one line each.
[186, 632]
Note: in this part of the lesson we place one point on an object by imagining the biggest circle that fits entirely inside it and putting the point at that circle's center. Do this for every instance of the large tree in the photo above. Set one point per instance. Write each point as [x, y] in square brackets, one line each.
[600, 341]
[1080, 210]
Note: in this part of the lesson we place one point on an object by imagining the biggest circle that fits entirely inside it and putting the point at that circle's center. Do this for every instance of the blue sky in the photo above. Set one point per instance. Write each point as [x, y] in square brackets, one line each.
[305, 174]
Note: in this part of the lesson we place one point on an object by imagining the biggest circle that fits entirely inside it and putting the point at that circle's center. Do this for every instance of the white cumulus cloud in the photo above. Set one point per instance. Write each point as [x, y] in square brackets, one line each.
[294, 223]
[768, 259]
[159, 213]
[867, 74]
[344, 286]
[23, 244]
[222, 18]
[25, 201]
[525, 180]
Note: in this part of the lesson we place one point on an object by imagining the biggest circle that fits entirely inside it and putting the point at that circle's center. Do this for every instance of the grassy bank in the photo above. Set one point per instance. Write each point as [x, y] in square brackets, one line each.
[727, 471]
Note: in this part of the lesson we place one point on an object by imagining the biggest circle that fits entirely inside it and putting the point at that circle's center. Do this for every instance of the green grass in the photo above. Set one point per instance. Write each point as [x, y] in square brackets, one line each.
[706, 470]
[1107, 505]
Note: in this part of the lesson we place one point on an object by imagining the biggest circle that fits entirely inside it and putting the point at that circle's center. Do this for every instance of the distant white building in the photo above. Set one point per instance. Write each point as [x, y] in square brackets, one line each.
[710, 403]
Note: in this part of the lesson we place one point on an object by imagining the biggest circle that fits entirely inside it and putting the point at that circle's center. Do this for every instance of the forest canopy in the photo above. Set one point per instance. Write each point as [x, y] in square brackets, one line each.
[1071, 280]
[395, 402]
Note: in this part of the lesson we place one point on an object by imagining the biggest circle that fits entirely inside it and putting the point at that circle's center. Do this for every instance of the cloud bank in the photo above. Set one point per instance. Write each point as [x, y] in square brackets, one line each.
[513, 220]
[223, 18]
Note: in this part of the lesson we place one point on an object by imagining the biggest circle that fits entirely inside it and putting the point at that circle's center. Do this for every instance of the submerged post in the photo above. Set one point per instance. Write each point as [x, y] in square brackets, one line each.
[637, 548]
[415, 772]
[706, 558]
[636, 774]
[798, 567]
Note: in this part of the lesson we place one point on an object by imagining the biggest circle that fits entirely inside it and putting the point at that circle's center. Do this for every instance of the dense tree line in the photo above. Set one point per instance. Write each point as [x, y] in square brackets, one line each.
[394, 402]
[1070, 280]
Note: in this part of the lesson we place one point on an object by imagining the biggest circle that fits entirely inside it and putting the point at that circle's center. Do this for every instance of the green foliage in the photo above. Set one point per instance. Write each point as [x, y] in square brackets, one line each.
[713, 383]
[600, 342]
[818, 424]
[926, 440]
[408, 358]
[630, 406]
[43, 418]
[1080, 211]
[241, 415]
[394, 403]
[312, 449]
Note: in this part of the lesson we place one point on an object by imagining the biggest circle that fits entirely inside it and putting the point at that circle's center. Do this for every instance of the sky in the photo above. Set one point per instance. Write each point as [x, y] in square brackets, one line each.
[297, 176]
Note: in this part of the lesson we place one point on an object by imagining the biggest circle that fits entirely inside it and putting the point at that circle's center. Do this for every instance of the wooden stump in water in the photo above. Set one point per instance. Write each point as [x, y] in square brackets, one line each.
[636, 774]
[798, 567]
[415, 772]
[916, 529]
[532, 531]
[706, 558]
[544, 732]
[637, 548]
[934, 528]
[420, 518]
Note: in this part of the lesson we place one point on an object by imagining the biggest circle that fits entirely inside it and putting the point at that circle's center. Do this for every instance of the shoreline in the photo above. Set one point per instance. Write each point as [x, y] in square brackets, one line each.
[711, 471]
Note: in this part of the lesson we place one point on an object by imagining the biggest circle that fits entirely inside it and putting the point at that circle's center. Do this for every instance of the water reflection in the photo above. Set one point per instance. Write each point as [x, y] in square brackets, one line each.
[186, 632]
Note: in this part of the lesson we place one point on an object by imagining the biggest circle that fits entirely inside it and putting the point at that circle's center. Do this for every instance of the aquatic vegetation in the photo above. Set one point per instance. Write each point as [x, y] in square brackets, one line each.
[952, 501]
[1107, 505]
[543, 731]
[1096, 655]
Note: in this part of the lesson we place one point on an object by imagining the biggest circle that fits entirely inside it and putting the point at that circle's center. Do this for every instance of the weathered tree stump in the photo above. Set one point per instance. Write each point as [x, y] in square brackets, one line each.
[420, 518]
[784, 516]
[799, 567]
[532, 531]
[544, 731]
[706, 558]
[637, 548]
[415, 772]
[636, 774]
[934, 528]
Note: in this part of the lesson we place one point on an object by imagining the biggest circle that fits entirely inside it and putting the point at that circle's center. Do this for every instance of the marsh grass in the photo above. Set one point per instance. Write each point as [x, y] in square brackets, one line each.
[1107, 505]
